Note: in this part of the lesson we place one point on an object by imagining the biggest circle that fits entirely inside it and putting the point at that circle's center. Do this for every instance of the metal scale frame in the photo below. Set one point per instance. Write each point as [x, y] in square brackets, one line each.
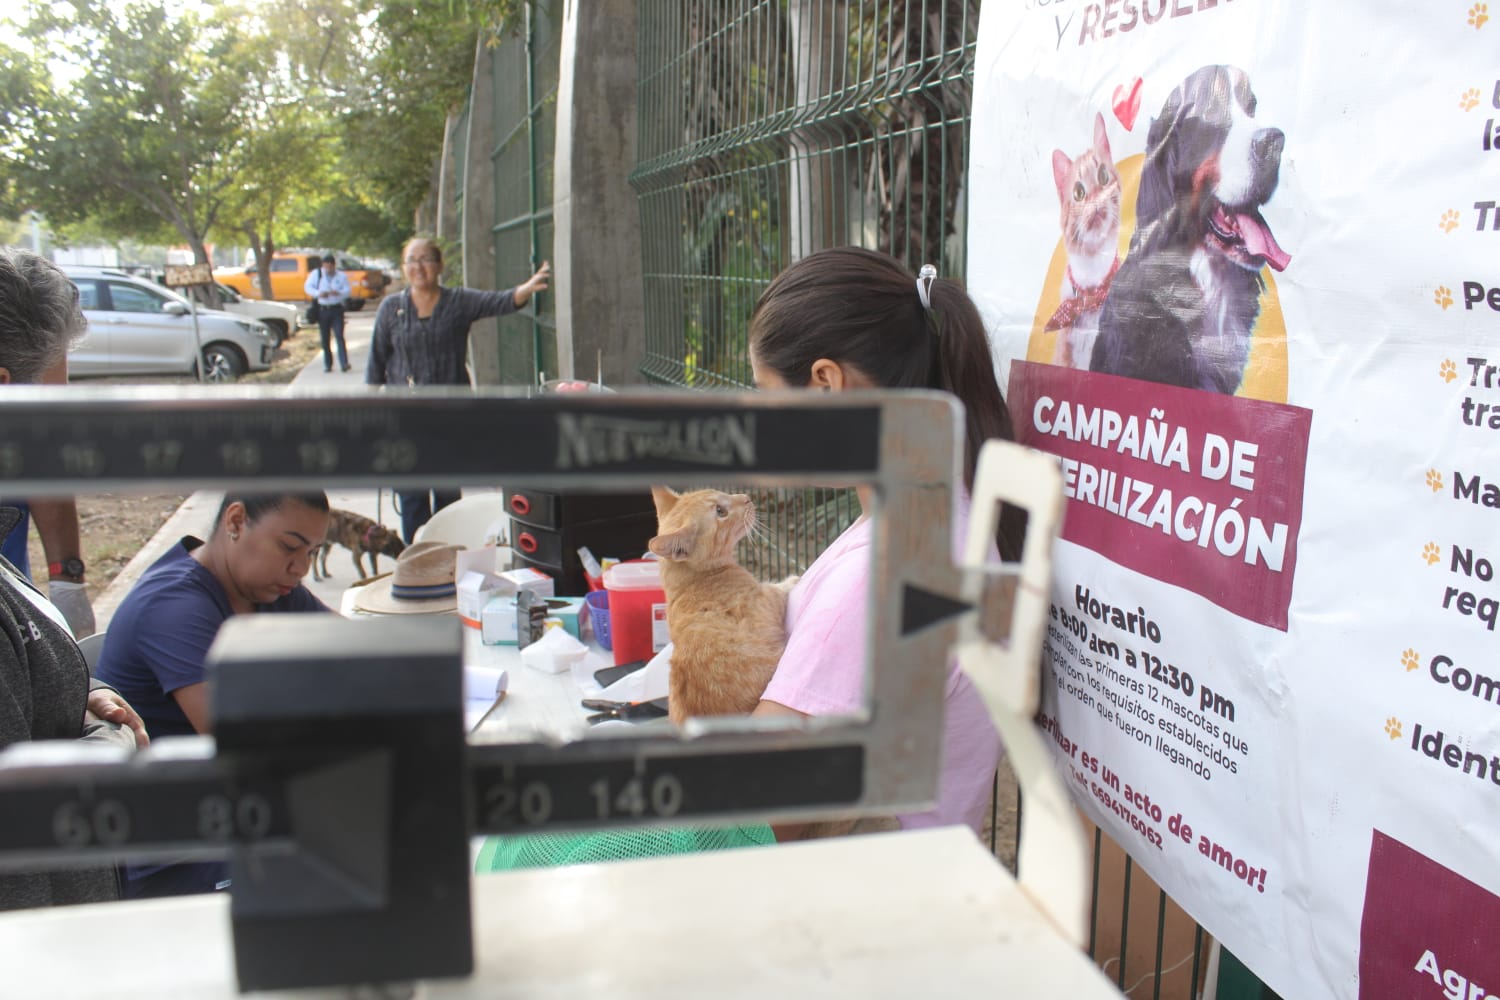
[339, 781]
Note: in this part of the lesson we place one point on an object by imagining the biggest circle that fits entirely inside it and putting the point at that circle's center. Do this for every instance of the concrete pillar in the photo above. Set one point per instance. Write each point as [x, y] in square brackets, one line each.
[447, 223]
[819, 165]
[596, 259]
[479, 215]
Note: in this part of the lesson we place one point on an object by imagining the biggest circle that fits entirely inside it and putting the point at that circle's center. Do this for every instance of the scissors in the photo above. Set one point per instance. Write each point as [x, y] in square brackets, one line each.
[628, 711]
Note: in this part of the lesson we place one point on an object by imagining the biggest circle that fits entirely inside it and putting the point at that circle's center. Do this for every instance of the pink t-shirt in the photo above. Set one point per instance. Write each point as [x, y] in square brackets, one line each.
[822, 673]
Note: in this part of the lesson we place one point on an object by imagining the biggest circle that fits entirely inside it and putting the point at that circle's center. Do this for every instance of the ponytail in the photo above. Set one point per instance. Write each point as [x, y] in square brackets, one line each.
[862, 308]
[965, 367]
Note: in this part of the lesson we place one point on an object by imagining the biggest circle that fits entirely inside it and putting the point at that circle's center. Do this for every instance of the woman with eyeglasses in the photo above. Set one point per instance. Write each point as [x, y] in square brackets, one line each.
[422, 338]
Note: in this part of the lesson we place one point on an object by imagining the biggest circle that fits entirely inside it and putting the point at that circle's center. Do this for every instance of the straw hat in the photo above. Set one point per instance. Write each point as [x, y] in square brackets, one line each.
[423, 583]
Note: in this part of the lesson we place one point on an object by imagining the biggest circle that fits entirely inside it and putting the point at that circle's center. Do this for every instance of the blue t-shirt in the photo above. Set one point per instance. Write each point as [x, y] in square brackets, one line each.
[157, 642]
[158, 638]
[13, 546]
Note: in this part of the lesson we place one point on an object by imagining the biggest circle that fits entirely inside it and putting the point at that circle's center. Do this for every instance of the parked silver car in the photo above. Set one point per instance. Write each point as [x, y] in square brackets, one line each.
[139, 328]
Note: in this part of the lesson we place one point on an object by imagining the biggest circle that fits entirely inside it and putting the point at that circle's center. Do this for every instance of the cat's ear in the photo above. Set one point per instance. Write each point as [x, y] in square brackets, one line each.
[664, 498]
[1062, 167]
[676, 546]
[1101, 138]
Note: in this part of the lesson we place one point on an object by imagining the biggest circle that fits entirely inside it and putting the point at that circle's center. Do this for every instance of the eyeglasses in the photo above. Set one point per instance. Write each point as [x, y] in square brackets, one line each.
[422, 260]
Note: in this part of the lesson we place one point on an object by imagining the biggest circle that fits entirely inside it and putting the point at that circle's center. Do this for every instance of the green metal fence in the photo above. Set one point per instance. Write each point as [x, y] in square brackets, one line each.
[773, 128]
[524, 69]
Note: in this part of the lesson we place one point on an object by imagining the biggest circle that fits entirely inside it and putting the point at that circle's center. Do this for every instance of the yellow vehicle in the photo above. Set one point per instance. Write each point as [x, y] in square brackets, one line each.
[289, 271]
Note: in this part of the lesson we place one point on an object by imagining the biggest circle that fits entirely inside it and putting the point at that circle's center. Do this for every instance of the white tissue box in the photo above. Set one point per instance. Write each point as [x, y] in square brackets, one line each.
[555, 652]
[475, 591]
[534, 580]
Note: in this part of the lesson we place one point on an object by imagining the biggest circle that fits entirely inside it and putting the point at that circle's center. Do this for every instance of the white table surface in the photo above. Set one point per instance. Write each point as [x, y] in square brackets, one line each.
[897, 915]
[535, 703]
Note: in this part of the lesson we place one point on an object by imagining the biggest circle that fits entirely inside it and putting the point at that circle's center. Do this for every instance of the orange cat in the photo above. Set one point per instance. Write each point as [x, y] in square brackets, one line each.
[1088, 190]
[727, 628]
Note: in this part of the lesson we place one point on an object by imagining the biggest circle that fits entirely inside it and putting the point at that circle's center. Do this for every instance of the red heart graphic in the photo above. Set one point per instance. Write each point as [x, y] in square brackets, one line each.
[1127, 103]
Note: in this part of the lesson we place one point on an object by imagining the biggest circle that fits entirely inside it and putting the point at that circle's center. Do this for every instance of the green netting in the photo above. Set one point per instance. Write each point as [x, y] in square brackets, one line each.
[556, 850]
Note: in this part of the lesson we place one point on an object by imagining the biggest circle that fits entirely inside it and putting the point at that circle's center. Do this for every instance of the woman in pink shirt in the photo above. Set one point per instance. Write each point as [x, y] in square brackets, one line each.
[849, 319]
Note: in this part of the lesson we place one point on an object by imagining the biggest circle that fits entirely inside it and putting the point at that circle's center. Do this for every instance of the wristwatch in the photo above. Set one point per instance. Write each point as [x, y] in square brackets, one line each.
[71, 566]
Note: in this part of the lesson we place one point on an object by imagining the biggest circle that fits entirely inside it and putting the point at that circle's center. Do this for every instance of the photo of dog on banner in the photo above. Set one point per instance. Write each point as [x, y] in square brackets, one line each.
[1182, 305]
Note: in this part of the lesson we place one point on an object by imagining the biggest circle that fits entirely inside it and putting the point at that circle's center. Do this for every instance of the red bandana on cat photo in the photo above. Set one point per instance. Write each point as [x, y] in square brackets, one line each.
[1086, 299]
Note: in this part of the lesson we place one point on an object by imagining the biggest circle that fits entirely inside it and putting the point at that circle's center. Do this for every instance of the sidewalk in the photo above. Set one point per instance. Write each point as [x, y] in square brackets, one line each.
[196, 515]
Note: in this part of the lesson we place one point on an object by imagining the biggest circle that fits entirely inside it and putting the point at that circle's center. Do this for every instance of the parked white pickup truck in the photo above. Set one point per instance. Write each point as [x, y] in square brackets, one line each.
[282, 318]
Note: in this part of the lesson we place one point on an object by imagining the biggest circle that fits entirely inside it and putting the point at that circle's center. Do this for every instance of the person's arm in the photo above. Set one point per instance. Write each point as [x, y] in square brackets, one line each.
[107, 705]
[342, 286]
[822, 668]
[474, 304]
[774, 710]
[186, 622]
[310, 286]
[193, 700]
[57, 524]
[537, 282]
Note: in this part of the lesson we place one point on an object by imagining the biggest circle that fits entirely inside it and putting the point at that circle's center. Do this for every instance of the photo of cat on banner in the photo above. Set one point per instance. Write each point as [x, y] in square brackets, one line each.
[1164, 269]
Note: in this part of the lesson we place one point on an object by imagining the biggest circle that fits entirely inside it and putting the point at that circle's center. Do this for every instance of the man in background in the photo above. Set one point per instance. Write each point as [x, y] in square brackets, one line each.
[328, 287]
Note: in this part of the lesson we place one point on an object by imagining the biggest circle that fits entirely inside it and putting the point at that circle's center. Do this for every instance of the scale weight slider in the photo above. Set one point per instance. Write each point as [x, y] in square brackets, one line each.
[362, 724]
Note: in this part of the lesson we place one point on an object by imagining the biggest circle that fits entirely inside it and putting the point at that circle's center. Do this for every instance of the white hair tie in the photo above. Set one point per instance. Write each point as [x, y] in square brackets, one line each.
[924, 285]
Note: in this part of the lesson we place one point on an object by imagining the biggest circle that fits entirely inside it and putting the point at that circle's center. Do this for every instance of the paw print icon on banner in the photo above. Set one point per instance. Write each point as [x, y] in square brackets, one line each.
[1431, 553]
[1447, 371]
[1470, 99]
[1435, 480]
[1443, 296]
[1478, 14]
[1410, 660]
[1449, 221]
[1393, 728]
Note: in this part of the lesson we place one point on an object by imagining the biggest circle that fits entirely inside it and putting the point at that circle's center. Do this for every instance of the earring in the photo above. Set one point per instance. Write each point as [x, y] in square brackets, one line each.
[234, 536]
[825, 388]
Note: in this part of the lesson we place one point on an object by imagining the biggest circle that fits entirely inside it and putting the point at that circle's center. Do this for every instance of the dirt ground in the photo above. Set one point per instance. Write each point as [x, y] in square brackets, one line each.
[115, 526]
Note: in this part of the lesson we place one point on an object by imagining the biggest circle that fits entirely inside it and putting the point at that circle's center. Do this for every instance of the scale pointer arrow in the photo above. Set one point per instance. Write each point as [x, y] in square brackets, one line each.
[921, 609]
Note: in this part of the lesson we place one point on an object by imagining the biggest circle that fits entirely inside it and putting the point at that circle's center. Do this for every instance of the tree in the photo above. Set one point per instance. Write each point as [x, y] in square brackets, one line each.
[20, 89]
[360, 227]
[417, 72]
[286, 169]
[152, 131]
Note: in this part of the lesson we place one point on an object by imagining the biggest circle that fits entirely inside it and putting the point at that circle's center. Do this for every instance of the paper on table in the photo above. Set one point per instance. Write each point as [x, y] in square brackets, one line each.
[646, 684]
[482, 686]
[484, 683]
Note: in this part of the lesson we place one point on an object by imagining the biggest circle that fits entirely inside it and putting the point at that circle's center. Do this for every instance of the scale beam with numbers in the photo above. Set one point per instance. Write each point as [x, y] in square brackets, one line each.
[338, 779]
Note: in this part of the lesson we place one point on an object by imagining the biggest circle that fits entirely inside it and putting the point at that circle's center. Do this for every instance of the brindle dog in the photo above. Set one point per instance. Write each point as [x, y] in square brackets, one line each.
[359, 535]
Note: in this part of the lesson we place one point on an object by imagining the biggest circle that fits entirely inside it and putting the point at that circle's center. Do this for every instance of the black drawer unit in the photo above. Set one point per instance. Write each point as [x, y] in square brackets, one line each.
[548, 529]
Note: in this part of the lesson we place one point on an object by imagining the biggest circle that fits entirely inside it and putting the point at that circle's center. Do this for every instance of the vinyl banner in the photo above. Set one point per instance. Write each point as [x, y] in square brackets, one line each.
[1241, 263]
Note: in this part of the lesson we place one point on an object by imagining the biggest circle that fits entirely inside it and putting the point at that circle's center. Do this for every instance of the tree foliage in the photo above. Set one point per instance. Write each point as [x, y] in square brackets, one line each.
[151, 132]
[419, 70]
[310, 120]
